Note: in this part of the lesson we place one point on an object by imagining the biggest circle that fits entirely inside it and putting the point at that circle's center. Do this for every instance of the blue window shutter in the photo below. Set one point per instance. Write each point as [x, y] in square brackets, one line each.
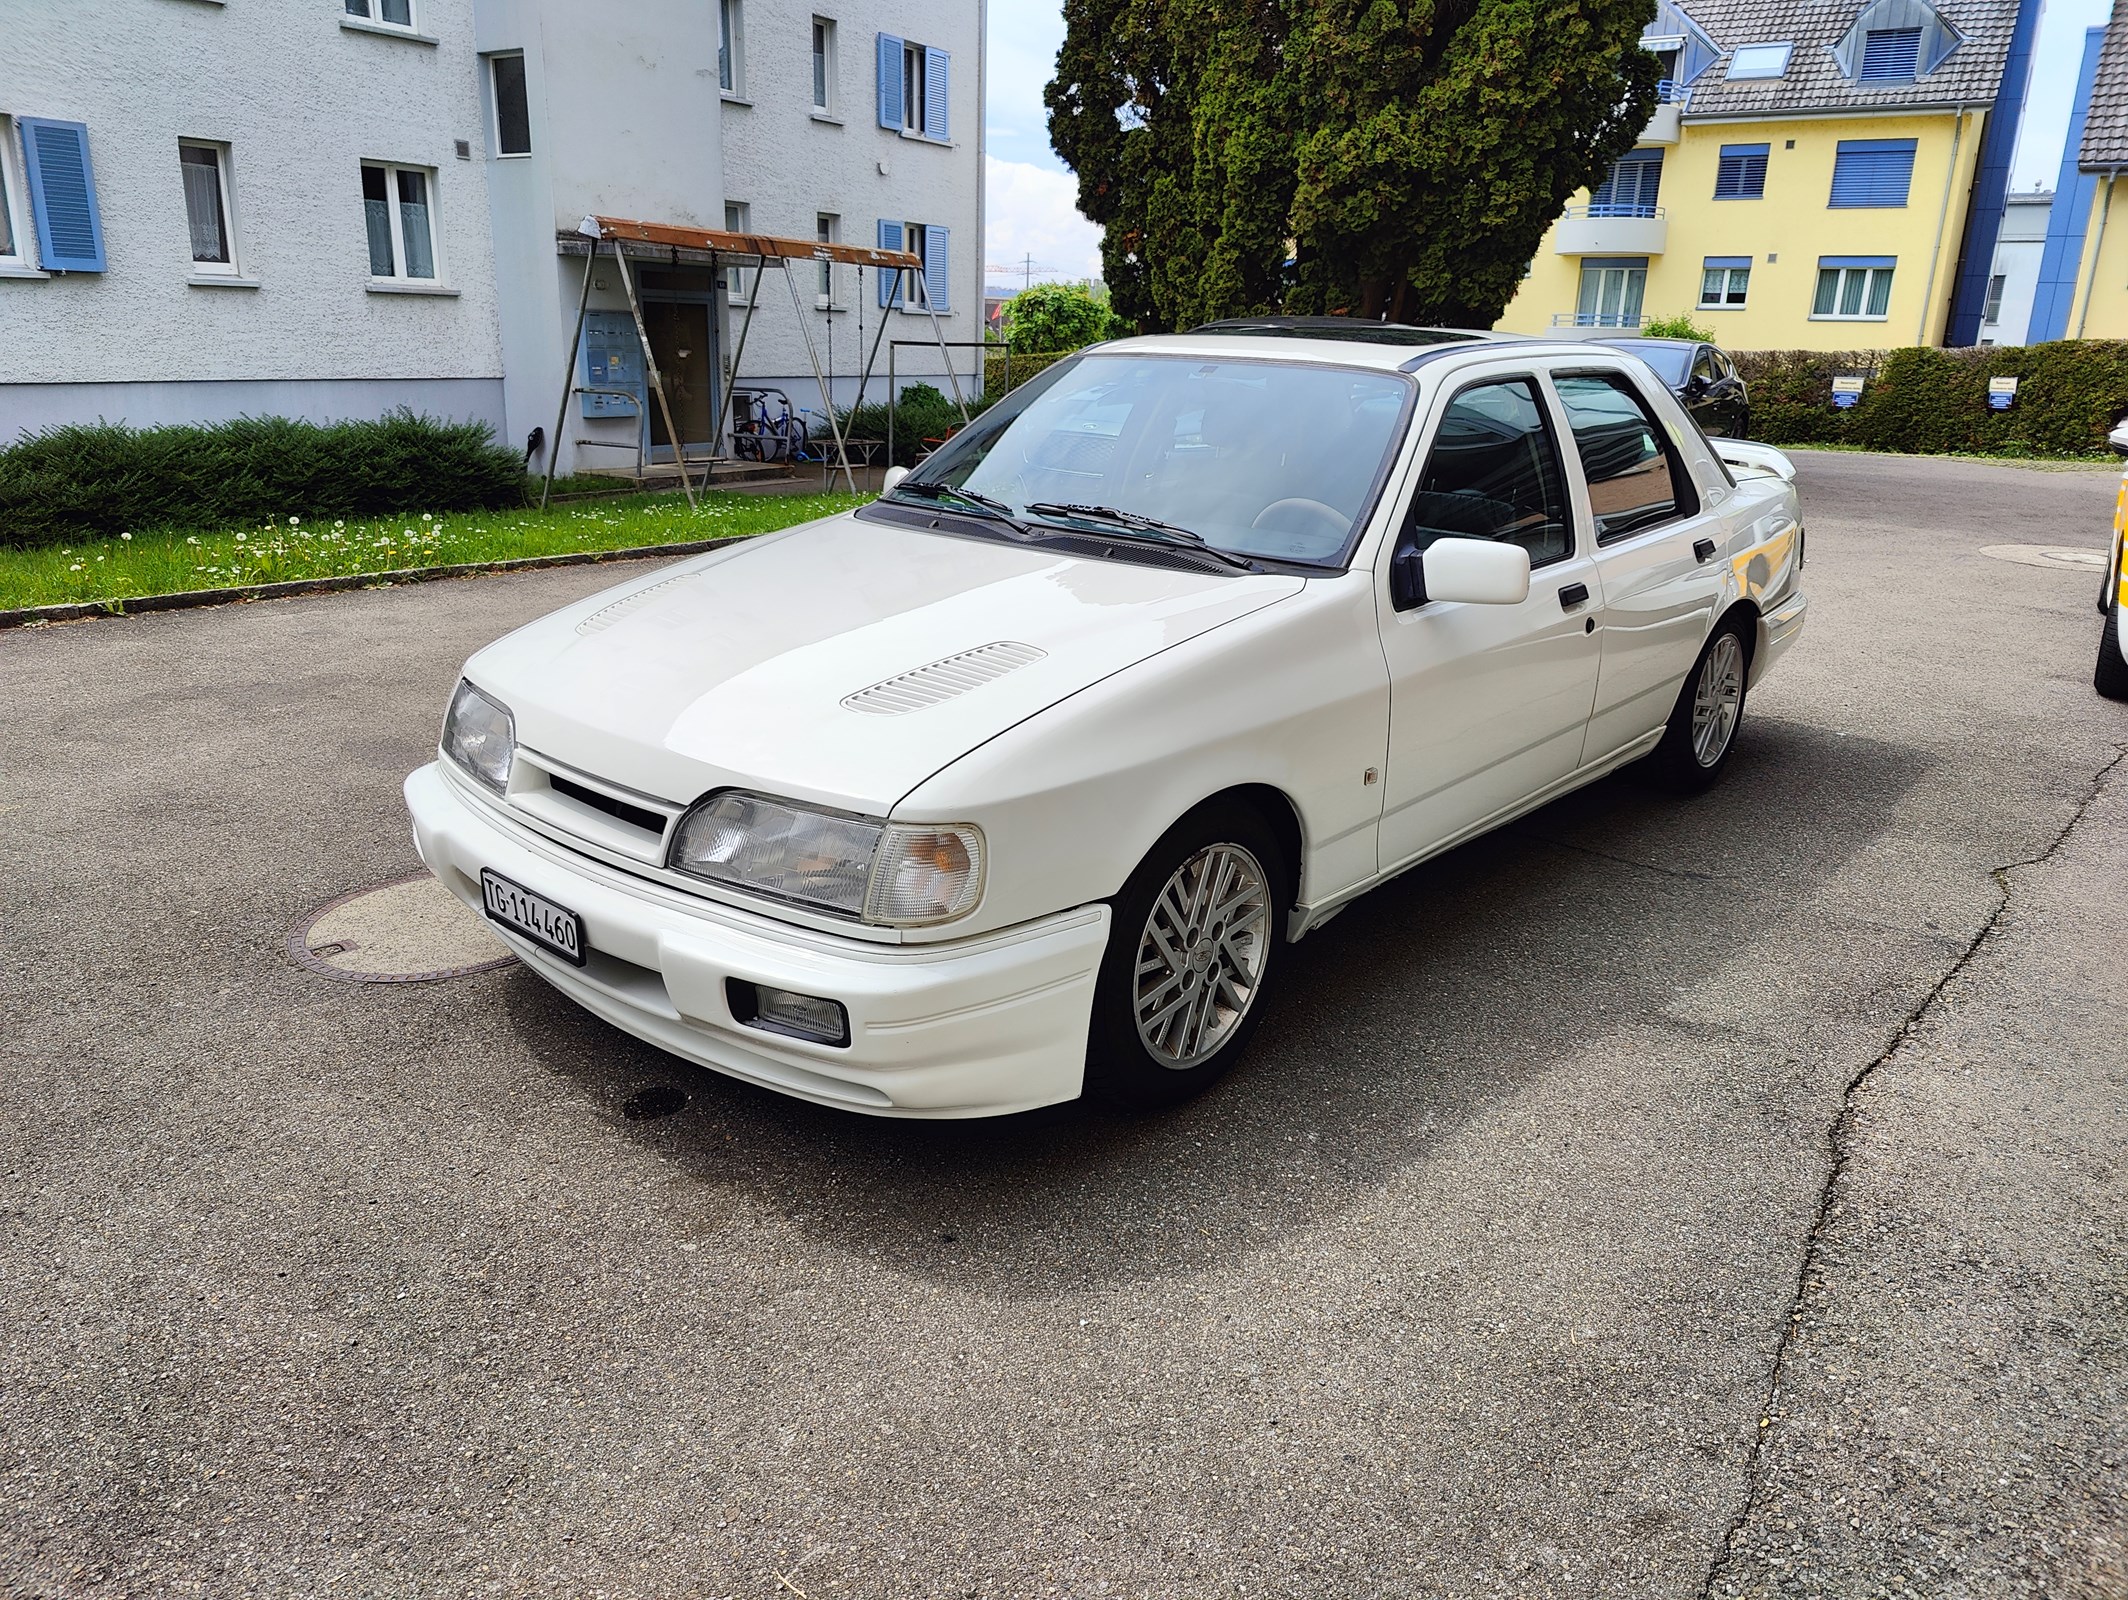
[1872, 172]
[938, 276]
[1890, 55]
[889, 81]
[1631, 188]
[937, 89]
[1741, 173]
[889, 278]
[62, 195]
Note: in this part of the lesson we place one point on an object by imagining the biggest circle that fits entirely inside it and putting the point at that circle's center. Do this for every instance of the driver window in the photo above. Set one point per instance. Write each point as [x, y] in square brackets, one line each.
[1703, 366]
[1494, 474]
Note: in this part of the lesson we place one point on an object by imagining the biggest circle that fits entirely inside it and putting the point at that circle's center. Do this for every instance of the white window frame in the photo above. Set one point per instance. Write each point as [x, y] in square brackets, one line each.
[827, 228]
[372, 13]
[1722, 302]
[1865, 314]
[399, 278]
[226, 182]
[16, 259]
[495, 105]
[826, 66]
[916, 239]
[731, 49]
[1991, 302]
[738, 218]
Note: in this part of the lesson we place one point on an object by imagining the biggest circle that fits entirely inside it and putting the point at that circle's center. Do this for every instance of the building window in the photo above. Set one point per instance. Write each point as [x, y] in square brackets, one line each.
[827, 228]
[731, 45]
[11, 233]
[1741, 172]
[929, 243]
[738, 217]
[205, 169]
[392, 13]
[1759, 61]
[1724, 282]
[915, 84]
[511, 105]
[402, 233]
[1890, 55]
[1853, 288]
[1631, 188]
[1872, 172]
[1611, 292]
[1992, 310]
[823, 65]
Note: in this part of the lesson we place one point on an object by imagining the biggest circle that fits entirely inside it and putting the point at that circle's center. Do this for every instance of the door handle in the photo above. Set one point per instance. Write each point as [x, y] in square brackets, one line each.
[1572, 595]
[1703, 550]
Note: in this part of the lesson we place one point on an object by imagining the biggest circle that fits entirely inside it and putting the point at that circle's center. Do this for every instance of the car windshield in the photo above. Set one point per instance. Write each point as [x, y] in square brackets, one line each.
[1271, 459]
[1670, 361]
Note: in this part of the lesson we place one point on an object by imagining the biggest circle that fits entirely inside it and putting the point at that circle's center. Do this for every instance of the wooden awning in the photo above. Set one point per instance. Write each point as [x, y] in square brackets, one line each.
[765, 247]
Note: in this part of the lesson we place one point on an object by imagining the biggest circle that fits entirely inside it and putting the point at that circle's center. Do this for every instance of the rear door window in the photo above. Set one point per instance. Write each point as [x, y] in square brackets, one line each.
[1636, 480]
[1494, 473]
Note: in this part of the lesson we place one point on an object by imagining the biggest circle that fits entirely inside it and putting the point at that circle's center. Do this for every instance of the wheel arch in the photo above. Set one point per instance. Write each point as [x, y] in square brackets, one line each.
[1279, 814]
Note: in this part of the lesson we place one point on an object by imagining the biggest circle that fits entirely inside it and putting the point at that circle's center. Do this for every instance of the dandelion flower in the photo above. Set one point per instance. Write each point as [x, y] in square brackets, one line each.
[338, 524]
[127, 537]
[240, 538]
[292, 521]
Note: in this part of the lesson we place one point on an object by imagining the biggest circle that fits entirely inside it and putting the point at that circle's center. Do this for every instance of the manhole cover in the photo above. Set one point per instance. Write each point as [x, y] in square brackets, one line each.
[410, 930]
[2048, 555]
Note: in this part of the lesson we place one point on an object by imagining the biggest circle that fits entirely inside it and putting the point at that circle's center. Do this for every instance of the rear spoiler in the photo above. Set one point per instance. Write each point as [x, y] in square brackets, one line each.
[1756, 460]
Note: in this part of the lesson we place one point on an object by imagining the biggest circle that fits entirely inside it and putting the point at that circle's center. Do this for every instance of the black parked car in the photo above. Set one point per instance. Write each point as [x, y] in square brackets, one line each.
[1702, 376]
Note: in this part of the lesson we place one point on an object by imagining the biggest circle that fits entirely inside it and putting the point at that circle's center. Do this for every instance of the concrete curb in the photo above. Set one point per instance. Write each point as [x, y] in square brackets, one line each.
[187, 599]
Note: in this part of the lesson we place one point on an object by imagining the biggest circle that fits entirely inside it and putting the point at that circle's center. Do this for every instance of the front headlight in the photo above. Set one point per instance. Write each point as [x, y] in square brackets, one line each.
[479, 735]
[897, 874]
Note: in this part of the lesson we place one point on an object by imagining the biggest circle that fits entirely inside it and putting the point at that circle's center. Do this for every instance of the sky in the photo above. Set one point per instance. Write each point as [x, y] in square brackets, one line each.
[1032, 210]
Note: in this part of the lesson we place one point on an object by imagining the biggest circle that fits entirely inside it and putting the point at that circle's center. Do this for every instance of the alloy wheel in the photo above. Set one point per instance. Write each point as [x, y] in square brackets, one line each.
[1202, 954]
[1717, 700]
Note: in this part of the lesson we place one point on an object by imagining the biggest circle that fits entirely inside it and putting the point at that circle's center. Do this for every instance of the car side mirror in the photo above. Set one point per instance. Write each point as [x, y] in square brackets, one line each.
[1484, 572]
[893, 476]
[1407, 579]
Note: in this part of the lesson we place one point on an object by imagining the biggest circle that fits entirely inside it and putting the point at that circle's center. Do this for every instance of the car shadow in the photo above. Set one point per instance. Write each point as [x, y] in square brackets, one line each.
[1429, 1000]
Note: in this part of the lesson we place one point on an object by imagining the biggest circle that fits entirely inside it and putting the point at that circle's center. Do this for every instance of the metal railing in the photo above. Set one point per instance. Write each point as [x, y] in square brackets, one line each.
[1669, 92]
[1614, 210]
[1596, 319]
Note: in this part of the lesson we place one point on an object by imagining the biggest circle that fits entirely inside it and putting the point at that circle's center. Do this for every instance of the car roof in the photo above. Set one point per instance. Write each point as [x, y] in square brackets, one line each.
[1345, 341]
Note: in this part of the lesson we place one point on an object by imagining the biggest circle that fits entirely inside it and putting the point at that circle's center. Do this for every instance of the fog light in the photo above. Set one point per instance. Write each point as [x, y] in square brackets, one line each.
[802, 1016]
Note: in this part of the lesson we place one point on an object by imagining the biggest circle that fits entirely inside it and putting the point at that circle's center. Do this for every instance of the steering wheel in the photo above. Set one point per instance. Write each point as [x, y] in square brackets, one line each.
[1299, 516]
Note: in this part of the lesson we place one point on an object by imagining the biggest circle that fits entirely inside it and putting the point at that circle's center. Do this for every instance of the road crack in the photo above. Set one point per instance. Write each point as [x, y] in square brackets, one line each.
[1837, 1142]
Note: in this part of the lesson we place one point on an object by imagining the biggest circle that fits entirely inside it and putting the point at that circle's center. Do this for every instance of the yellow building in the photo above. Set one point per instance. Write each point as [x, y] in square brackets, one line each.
[1817, 176]
[2083, 271]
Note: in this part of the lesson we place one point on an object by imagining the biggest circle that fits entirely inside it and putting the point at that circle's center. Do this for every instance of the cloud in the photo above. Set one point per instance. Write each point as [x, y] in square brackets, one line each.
[1033, 211]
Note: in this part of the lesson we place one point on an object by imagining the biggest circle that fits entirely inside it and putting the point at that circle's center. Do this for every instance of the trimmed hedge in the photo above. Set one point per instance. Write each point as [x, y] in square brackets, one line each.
[1920, 401]
[998, 368]
[95, 480]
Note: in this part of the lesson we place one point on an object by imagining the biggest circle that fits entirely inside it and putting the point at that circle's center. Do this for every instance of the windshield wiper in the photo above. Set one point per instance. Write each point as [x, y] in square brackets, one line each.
[1146, 530]
[980, 505]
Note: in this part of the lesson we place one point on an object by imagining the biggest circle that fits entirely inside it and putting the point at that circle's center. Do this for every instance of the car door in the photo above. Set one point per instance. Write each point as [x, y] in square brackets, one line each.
[1487, 703]
[1704, 394]
[1655, 551]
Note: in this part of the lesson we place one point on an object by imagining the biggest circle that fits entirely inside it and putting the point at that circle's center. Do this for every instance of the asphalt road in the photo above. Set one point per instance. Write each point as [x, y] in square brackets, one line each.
[1659, 1199]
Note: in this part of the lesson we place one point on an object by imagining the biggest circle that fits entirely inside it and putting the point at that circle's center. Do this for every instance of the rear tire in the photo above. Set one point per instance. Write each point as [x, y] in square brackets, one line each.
[2110, 677]
[1710, 709]
[1194, 939]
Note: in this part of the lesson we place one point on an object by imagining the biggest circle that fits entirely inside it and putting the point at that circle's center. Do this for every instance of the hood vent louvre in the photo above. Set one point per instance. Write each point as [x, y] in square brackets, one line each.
[607, 616]
[942, 680]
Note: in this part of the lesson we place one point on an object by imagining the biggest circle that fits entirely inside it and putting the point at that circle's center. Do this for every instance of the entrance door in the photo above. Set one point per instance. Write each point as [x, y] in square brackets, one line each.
[679, 338]
[1610, 296]
[1487, 703]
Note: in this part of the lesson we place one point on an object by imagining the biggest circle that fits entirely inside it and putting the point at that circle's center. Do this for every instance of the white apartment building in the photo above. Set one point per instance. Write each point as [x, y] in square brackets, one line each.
[2013, 275]
[326, 208]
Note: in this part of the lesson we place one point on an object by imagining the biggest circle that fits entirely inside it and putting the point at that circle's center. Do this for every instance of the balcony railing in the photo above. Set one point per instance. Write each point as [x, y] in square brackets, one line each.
[1669, 92]
[1613, 211]
[1596, 319]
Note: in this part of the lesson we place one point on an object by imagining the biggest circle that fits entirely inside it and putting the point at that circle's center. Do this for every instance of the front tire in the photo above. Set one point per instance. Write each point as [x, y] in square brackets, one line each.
[1194, 939]
[2110, 677]
[1710, 709]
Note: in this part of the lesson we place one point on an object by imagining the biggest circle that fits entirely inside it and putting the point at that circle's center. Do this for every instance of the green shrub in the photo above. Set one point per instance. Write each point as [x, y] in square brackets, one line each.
[923, 412]
[1924, 401]
[1680, 326]
[95, 480]
[1002, 373]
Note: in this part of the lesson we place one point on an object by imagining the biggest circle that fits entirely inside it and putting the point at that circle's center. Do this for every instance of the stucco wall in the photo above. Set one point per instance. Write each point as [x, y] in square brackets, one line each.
[2100, 310]
[789, 166]
[301, 101]
[1787, 231]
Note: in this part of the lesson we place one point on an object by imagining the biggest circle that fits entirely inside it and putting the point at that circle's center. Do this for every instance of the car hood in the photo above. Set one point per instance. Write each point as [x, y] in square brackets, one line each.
[738, 668]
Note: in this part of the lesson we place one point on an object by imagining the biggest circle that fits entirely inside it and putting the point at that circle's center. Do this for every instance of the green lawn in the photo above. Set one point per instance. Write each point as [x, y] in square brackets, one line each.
[145, 563]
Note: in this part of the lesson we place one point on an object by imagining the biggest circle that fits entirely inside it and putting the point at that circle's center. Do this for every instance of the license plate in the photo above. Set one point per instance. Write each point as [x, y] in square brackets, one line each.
[546, 924]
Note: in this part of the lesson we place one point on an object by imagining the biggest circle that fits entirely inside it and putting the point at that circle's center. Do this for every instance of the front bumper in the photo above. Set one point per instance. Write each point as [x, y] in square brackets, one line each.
[968, 1029]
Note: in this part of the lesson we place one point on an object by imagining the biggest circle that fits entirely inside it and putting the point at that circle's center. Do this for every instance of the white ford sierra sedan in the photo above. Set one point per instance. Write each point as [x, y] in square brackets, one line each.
[1013, 785]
